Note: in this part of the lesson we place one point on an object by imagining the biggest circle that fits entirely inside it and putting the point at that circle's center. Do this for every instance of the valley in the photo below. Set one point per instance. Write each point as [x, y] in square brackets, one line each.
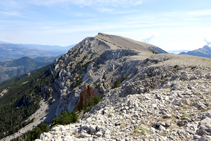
[23, 65]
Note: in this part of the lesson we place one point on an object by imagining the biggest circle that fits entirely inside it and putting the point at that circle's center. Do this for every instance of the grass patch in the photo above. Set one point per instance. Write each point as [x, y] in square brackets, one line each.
[77, 135]
[184, 114]
[141, 100]
[143, 130]
[122, 125]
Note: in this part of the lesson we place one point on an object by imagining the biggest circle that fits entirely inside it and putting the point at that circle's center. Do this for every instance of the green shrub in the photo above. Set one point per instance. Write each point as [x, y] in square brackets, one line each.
[116, 84]
[176, 66]
[65, 118]
[97, 85]
[193, 67]
[123, 79]
[88, 105]
[95, 100]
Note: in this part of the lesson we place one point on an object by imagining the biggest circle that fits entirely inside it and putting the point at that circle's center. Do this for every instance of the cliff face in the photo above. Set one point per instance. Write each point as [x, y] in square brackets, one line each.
[147, 95]
[96, 61]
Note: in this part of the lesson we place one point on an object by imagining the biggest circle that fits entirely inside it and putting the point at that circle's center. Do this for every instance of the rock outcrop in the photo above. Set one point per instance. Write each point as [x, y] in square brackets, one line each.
[159, 96]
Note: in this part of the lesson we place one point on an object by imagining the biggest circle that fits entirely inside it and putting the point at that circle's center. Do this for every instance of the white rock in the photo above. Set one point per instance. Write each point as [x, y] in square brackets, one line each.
[99, 134]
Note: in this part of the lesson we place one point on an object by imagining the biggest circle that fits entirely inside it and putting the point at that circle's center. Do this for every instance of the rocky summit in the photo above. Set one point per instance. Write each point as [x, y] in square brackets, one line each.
[148, 94]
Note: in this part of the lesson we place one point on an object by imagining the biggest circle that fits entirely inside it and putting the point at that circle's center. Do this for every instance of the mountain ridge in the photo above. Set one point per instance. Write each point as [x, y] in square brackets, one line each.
[205, 51]
[77, 61]
[146, 93]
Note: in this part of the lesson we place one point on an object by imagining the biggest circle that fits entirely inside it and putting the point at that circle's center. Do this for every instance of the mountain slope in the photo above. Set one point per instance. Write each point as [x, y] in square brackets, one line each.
[21, 99]
[146, 95]
[89, 54]
[72, 66]
[20, 66]
[22, 76]
[160, 96]
[202, 52]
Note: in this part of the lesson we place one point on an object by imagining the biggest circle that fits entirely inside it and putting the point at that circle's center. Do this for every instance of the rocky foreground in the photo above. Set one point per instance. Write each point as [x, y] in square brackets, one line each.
[160, 97]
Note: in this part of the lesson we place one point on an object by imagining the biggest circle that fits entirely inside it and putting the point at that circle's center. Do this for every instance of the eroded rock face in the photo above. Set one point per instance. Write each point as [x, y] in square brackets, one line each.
[159, 97]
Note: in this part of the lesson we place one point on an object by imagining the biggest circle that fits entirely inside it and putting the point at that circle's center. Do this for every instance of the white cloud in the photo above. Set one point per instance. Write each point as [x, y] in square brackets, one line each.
[102, 10]
[138, 3]
[148, 37]
[206, 12]
[88, 2]
[10, 13]
[207, 41]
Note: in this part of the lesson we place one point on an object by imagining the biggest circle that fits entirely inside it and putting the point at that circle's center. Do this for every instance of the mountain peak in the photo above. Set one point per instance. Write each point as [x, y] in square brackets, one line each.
[126, 43]
[205, 51]
[103, 34]
[206, 47]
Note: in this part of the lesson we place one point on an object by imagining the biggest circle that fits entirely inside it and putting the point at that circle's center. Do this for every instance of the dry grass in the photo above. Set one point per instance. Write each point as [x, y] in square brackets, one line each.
[122, 125]
[77, 135]
[185, 114]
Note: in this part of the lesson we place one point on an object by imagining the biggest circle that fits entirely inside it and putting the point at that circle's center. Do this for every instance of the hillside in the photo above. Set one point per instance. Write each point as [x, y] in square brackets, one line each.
[9, 51]
[202, 52]
[20, 66]
[46, 59]
[146, 93]
[18, 101]
[22, 76]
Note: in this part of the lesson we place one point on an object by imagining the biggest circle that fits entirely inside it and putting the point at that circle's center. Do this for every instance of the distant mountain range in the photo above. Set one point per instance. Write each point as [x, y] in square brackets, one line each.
[9, 51]
[23, 65]
[176, 51]
[202, 52]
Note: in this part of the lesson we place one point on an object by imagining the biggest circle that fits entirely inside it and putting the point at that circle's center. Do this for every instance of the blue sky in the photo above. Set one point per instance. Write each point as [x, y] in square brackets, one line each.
[169, 24]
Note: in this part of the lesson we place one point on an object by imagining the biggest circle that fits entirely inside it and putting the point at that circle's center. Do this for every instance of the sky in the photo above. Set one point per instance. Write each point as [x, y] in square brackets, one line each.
[169, 24]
